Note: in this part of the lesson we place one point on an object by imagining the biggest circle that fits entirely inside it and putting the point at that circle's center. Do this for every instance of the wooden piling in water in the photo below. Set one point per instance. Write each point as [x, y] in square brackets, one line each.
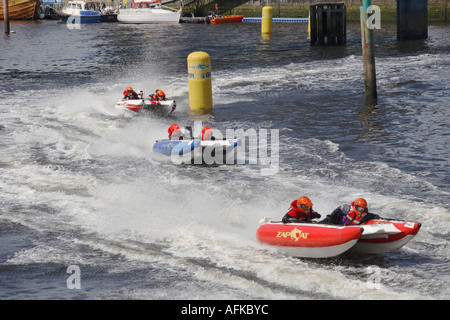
[328, 23]
[6, 16]
[412, 19]
[370, 81]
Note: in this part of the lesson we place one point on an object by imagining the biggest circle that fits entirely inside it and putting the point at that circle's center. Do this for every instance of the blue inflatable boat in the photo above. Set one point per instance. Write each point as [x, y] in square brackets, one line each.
[195, 151]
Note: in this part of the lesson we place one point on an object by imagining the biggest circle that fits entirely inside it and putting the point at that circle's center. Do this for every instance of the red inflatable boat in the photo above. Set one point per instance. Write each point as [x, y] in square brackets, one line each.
[313, 240]
[381, 236]
[308, 240]
[129, 108]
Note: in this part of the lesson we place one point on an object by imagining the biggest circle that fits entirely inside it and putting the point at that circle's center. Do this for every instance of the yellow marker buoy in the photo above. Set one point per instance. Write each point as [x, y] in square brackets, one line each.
[199, 73]
[266, 20]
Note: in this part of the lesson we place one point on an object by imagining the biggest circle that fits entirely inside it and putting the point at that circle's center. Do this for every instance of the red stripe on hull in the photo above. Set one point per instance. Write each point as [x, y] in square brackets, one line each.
[130, 106]
[306, 235]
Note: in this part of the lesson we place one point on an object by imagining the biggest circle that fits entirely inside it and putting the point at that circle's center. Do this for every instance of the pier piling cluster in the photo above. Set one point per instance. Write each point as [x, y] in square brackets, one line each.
[328, 23]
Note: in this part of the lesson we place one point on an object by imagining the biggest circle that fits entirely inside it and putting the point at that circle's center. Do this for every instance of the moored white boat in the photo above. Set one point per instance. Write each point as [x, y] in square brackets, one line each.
[308, 240]
[148, 11]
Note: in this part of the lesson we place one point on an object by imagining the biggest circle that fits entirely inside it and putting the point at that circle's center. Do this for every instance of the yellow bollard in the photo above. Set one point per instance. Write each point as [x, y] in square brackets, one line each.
[309, 24]
[266, 20]
[199, 73]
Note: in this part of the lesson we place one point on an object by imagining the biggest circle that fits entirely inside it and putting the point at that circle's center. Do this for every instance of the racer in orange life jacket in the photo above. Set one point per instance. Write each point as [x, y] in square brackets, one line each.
[301, 211]
[354, 214]
[159, 95]
[129, 93]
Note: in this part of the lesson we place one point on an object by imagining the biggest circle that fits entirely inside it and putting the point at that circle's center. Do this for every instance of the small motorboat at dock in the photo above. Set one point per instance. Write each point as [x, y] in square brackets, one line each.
[81, 12]
[216, 19]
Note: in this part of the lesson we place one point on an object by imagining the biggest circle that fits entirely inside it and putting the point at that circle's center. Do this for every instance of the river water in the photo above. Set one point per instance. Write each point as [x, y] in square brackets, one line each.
[81, 187]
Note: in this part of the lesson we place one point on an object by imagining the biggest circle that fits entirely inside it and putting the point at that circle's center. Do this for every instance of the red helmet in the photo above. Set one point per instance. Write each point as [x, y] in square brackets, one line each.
[129, 89]
[173, 127]
[160, 94]
[360, 205]
[304, 204]
[207, 133]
